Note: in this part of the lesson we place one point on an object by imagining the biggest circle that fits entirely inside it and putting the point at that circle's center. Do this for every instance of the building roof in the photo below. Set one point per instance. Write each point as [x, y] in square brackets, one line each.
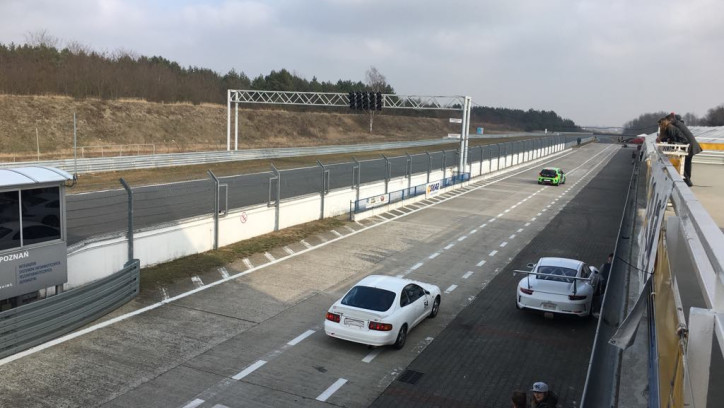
[28, 176]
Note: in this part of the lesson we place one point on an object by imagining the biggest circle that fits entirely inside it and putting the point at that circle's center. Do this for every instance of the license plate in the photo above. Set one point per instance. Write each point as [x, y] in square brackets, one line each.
[354, 322]
[550, 306]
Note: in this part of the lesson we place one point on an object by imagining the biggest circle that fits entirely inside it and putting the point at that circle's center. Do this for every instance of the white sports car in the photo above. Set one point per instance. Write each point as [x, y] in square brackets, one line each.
[558, 285]
[380, 310]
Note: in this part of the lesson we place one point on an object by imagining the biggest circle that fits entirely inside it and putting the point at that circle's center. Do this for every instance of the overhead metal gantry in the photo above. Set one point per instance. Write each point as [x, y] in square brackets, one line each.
[334, 99]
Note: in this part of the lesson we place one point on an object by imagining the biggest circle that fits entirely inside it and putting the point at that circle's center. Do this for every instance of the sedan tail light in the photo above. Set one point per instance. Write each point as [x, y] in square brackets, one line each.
[527, 291]
[576, 297]
[333, 317]
[380, 326]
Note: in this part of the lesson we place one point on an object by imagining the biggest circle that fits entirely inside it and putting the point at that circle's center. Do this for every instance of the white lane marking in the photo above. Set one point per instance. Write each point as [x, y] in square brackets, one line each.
[507, 211]
[248, 264]
[492, 220]
[504, 243]
[219, 406]
[519, 230]
[374, 353]
[462, 238]
[493, 253]
[450, 288]
[224, 273]
[195, 403]
[197, 281]
[415, 266]
[433, 256]
[499, 215]
[482, 226]
[249, 370]
[331, 390]
[306, 244]
[448, 246]
[350, 229]
[549, 206]
[544, 210]
[539, 214]
[468, 274]
[336, 233]
[301, 337]
[269, 256]
[164, 293]
[527, 224]
[533, 219]
[512, 236]
[473, 231]
[288, 250]
[481, 263]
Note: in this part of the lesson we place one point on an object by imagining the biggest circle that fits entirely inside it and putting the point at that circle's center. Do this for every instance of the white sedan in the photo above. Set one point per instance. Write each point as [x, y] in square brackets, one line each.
[380, 310]
[558, 285]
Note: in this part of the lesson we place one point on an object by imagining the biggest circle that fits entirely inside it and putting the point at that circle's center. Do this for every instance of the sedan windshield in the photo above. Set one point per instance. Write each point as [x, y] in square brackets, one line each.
[369, 298]
[556, 273]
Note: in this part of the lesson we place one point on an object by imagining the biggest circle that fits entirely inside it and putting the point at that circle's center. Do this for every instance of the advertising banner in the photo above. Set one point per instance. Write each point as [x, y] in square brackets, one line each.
[433, 189]
[376, 201]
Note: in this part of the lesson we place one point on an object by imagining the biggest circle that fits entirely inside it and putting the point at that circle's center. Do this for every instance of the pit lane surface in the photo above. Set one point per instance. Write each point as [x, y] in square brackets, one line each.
[255, 338]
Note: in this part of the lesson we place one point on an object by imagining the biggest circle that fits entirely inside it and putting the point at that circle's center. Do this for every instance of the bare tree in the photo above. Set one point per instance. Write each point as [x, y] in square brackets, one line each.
[41, 38]
[376, 82]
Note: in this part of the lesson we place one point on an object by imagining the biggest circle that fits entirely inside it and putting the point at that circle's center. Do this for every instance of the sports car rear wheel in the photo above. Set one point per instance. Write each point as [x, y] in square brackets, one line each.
[401, 338]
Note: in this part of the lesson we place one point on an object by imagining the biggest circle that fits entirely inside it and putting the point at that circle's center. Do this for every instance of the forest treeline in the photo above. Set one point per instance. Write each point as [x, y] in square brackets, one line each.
[76, 71]
[648, 123]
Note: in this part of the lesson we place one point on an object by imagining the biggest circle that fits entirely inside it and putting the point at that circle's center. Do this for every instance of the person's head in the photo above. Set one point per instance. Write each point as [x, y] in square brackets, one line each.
[540, 390]
[610, 258]
[519, 399]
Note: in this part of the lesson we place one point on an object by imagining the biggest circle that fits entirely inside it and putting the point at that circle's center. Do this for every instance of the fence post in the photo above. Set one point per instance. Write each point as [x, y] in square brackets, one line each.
[129, 234]
[387, 172]
[429, 166]
[444, 159]
[278, 178]
[216, 208]
[356, 183]
[325, 187]
[408, 170]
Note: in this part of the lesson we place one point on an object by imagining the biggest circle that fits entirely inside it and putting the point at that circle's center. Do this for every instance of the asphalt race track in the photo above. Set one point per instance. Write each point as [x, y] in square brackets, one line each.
[251, 333]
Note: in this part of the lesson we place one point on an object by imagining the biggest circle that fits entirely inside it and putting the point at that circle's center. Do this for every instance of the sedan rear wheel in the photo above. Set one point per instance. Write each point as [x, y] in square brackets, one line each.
[401, 338]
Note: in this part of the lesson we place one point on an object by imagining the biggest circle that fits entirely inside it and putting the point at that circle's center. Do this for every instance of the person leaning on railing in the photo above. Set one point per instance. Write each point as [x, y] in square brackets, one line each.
[673, 130]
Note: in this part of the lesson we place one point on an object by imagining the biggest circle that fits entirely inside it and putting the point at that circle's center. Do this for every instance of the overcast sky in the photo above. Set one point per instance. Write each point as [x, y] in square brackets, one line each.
[597, 62]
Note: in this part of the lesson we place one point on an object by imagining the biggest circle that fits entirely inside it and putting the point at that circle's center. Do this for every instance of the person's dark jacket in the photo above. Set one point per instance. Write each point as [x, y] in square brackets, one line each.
[549, 401]
[685, 133]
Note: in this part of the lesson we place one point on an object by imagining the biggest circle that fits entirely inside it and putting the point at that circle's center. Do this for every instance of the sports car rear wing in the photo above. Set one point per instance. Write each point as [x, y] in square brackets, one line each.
[575, 278]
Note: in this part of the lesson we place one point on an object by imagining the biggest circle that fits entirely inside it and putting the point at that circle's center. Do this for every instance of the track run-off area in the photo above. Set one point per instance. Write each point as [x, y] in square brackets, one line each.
[252, 336]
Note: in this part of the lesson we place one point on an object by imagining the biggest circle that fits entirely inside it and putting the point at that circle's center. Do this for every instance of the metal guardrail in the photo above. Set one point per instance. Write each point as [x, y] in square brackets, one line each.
[35, 323]
[709, 157]
[115, 163]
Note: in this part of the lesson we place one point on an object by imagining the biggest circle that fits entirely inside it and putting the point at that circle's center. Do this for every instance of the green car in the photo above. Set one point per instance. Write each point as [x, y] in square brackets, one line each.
[552, 175]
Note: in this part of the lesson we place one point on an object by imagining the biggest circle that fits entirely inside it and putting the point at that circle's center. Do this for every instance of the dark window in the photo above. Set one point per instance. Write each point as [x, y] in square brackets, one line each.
[369, 298]
[555, 273]
[548, 173]
[414, 292]
[9, 219]
[41, 214]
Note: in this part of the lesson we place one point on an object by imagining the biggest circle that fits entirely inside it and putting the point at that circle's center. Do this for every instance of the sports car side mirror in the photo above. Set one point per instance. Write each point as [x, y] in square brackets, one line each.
[427, 292]
[531, 265]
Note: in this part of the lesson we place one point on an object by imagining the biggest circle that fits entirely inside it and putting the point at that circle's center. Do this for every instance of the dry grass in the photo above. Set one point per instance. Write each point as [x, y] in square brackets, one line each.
[158, 276]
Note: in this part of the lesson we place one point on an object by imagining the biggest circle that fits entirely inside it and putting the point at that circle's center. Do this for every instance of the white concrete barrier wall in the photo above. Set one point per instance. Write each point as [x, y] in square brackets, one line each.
[97, 260]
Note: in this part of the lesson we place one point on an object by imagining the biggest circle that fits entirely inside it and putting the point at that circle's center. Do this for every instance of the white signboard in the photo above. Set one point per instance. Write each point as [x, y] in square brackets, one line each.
[453, 135]
[456, 120]
[433, 189]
